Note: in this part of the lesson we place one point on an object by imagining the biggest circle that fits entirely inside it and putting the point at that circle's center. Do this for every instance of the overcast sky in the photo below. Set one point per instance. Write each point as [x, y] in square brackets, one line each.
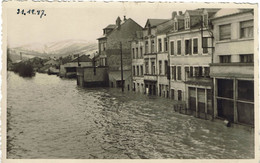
[83, 22]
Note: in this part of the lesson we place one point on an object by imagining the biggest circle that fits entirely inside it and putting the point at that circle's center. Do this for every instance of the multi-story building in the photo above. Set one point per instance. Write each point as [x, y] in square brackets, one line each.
[163, 57]
[233, 65]
[117, 39]
[150, 55]
[190, 55]
[138, 63]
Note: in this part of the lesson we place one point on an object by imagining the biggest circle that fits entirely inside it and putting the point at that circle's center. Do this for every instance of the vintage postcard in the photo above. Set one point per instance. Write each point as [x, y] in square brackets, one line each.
[128, 81]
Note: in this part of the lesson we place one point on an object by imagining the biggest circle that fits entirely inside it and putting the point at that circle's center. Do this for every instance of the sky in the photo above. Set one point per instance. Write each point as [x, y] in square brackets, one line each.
[78, 22]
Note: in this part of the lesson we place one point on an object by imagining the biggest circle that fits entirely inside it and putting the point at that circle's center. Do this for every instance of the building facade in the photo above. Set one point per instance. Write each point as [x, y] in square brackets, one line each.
[190, 56]
[232, 69]
[116, 40]
[150, 55]
[138, 63]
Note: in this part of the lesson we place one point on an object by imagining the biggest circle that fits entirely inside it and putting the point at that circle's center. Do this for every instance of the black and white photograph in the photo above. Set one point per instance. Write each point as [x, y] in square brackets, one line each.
[130, 80]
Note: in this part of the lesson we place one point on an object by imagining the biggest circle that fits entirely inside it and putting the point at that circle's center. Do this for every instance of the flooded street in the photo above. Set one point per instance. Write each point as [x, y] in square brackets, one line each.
[49, 117]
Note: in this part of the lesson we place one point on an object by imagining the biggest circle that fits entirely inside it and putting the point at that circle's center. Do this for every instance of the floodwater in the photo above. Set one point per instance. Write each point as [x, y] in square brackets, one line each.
[49, 117]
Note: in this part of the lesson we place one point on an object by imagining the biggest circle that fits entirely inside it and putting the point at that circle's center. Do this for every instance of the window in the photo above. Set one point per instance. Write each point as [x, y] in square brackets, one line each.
[174, 72]
[146, 67]
[200, 72]
[175, 26]
[172, 48]
[137, 70]
[206, 71]
[179, 47]
[246, 29]
[225, 88]
[179, 72]
[165, 67]
[149, 29]
[165, 44]
[133, 53]
[160, 45]
[205, 45]
[187, 23]
[195, 46]
[187, 47]
[246, 58]
[153, 67]
[186, 71]
[191, 71]
[146, 47]
[152, 46]
[104, 46]
[133, 70]
[137, 54]
[225, 59]
[225, 32]
[179, 95]
[196, 71]
[142, 71]
[160, 67]
[141, 52]
[172, 90]
[246, 90]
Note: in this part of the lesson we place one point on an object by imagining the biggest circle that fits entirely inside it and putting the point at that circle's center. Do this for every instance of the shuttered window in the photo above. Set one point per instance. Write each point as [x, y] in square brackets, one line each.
[174, 72]
[179, 72]
[225, 32]
[195, 46]
[172, 48]
[179, 47]
[205, 45]
[187, 47]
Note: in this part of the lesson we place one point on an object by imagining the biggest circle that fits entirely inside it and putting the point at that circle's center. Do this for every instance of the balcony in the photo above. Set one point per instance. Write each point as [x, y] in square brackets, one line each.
[244, 70]
[201, 81]
[150, 77]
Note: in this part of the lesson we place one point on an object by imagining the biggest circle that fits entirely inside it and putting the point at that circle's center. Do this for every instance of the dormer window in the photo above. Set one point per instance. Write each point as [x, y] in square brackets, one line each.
[149, 29]
[175, 26]
[187, 22]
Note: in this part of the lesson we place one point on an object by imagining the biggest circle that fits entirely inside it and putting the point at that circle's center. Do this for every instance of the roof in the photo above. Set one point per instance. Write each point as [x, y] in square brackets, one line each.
[105, 35]
[110, 26]
[165, 27]
[197, 12]
[83, 58]
[228, 12]
[155, 22]
[117, 75]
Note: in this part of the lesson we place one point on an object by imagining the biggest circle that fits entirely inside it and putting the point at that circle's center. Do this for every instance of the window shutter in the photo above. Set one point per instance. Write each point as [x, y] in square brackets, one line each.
[225, 32]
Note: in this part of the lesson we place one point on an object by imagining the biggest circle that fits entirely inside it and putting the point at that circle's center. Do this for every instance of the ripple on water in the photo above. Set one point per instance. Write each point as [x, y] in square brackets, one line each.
[49, 117]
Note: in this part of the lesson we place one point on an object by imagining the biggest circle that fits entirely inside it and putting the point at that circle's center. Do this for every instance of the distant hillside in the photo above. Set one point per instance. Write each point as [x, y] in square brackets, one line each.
[54, 49]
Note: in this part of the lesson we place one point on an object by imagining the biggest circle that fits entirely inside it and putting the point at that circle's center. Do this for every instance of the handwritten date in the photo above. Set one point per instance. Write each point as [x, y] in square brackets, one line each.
[41, 13]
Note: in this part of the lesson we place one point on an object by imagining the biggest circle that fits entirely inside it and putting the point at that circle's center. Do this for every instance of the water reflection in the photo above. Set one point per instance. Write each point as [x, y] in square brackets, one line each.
[49, 117]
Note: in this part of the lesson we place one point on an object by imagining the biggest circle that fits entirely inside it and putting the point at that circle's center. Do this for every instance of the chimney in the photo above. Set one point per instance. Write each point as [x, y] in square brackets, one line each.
[124, 18]
[174, 13]
[180, 12]
[118, 22]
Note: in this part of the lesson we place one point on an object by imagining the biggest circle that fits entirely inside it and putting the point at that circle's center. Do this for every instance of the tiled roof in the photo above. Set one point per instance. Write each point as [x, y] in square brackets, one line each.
[83, 58]
[165, 27]
[155, 22]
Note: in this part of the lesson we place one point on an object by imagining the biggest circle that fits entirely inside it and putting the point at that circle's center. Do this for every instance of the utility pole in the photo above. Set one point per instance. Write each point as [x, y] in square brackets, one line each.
[122, 78]
[78, 61]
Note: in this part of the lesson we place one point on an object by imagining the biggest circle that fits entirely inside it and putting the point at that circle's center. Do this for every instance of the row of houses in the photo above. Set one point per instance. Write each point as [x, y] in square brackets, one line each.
[202, 58]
